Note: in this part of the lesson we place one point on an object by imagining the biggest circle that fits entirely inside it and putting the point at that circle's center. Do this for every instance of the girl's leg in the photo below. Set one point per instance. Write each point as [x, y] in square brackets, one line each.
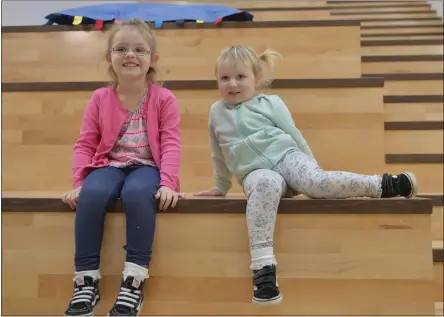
[264, 189]
[138, 197]
[305, 176]
[101, 186]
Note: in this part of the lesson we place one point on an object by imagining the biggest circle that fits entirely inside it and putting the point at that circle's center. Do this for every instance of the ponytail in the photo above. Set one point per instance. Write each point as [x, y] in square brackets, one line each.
[268, 60]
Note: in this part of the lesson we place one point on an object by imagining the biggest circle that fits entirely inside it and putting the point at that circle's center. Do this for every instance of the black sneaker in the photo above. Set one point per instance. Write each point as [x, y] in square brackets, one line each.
[265, 286]
[86, 297]
[130, 299]
[403, 184]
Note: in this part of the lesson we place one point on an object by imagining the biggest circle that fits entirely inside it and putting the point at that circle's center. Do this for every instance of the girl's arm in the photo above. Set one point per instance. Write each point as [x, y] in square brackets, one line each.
[221, 174]
[170, 142]
[86, 144]
[282, 119]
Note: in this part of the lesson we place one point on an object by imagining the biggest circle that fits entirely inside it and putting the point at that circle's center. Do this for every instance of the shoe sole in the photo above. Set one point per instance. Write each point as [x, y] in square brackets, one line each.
[268, 302]
[138, 313]
[90, 314]
[412, 180]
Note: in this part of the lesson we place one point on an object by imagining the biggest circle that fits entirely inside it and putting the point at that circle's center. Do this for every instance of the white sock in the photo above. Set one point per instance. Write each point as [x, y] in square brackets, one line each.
[262, 257]
[79, 276]
[131, 269]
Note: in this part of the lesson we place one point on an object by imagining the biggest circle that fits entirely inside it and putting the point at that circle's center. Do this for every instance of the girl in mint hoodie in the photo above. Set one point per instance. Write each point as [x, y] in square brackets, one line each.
[254, 138]
[129, 147]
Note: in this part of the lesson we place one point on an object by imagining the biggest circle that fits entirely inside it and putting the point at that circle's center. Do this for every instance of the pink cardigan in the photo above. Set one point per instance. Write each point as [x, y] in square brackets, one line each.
[103, 118]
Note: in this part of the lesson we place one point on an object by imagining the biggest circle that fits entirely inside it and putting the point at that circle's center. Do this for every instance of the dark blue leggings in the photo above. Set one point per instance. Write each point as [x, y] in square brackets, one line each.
[136, 186]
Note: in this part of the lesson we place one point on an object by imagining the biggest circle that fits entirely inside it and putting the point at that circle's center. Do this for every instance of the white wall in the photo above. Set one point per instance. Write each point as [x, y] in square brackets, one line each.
[437, 5]
[33, 12]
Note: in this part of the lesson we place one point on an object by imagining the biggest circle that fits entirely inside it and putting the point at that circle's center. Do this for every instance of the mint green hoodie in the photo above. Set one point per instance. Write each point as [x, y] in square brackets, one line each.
[255, 134]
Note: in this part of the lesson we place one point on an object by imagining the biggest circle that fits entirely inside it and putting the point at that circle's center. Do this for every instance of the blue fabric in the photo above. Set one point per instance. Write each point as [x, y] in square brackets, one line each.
[150, 12]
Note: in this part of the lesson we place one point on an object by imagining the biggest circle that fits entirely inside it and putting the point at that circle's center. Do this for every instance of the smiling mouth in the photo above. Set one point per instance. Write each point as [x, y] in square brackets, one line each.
[130, 65]
[233, 93]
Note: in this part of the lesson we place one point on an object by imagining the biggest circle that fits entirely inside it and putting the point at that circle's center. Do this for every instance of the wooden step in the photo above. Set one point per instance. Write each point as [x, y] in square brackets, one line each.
[28, 57]
[438, 258]
[47, 125]
[371, 249]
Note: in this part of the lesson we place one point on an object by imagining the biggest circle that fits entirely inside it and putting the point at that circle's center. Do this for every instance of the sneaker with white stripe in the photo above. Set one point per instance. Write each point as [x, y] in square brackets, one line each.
[85, 298]
[130, 299]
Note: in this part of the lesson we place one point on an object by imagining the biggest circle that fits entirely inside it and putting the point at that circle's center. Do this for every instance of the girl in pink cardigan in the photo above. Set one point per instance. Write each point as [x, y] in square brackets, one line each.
[129, 147]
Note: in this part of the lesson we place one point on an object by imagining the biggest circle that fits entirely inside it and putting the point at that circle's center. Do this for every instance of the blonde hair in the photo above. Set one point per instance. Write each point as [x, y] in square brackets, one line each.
[147, 33]
[262, 65]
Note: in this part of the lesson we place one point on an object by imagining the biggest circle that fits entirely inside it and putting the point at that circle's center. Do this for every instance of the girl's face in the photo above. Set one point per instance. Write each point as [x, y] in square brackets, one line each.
[130, 55]
[236, 83]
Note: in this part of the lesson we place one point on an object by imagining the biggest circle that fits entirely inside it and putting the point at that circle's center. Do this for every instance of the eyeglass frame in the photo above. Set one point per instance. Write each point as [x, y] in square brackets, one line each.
[113, 50]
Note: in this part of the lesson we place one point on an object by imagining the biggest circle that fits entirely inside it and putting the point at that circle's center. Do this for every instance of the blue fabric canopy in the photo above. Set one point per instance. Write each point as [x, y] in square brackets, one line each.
[149, 12]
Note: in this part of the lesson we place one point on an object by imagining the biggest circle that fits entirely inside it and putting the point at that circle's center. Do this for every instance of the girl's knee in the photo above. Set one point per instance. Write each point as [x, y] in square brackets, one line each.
[139, 191]
[96, 192]
[270, 185]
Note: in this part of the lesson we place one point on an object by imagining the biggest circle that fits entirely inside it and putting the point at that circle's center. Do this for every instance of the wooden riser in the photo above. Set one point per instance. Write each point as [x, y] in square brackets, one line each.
[414, 111]
[415, 87]
[437, 225]
[28, 57]
[405, 37]
[339, 4]
[415, 142]
[403, 67]
[205, 271]
[48, 126]
[403, 30]
[402, 50]
[292, 15]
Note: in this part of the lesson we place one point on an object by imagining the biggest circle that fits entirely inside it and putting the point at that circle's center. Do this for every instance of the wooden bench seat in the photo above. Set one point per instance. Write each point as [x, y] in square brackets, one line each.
[376, 251]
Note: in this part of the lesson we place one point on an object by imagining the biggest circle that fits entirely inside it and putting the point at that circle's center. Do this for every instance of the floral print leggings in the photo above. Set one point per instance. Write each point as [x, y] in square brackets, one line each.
[296, 173]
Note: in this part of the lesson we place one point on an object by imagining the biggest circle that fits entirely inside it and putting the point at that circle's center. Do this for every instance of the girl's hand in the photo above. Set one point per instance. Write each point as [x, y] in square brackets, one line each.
[167, 196]
[211, 192]
[71, 198]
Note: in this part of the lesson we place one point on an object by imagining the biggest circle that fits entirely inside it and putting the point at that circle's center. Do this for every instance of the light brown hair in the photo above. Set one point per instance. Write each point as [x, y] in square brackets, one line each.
[262, 65]
[147, 33]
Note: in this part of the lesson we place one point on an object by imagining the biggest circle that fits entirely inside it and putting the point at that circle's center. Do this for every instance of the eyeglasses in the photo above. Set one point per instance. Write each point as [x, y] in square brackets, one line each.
[122, 50]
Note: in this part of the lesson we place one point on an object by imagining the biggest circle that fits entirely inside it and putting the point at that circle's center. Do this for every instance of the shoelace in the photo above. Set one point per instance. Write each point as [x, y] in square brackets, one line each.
[127, 295]
[83, 294]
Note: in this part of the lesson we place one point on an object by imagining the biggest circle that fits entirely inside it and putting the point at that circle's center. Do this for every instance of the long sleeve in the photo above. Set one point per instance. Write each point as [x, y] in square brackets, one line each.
[282, 119]
[170, 143]
[221, 174]
[86, 144]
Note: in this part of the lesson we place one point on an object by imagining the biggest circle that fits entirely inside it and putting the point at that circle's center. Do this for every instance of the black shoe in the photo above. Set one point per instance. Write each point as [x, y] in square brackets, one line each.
[265, 286]
[403, 184]
[130, 299]
[86, 297]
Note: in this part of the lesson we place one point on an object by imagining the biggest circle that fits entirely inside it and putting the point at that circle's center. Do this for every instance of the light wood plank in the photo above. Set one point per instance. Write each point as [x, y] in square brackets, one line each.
[296, 15]
[406, 37]
[402, 67]
[404, 22]
[414, 142]
[29, 57]
[335, 4]
[402, 30]
[427, 175]
[328, 118]
[402, 50]
[414, 87]
[413, 112]
[354, 253]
